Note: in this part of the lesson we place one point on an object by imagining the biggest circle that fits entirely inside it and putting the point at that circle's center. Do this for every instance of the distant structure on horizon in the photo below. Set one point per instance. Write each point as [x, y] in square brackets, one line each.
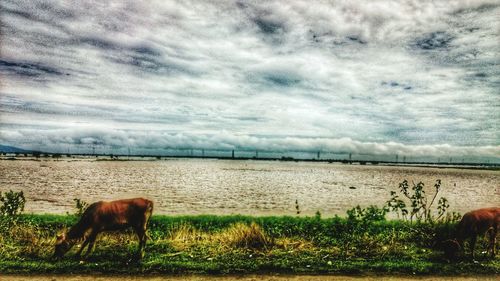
[320, 156]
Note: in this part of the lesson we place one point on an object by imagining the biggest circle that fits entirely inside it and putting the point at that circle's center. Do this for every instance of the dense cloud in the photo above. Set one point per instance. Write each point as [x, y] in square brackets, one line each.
[375, 77]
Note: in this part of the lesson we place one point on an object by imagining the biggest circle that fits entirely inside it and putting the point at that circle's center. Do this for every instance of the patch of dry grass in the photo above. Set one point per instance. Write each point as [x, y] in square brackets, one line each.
[185, 236]
[241, 235]
[238, 236]
[294, 244]
[27, 241]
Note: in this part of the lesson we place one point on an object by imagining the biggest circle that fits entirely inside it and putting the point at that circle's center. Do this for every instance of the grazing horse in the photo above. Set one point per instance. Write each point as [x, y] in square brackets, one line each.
[107, 216]
[475, 223]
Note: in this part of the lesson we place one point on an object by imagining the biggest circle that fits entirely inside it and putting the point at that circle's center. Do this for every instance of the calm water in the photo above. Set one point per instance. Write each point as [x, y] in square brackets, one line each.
[190, 186]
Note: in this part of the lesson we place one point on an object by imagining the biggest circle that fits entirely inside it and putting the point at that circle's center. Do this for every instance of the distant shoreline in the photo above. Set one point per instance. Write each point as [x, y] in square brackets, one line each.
[105, 157]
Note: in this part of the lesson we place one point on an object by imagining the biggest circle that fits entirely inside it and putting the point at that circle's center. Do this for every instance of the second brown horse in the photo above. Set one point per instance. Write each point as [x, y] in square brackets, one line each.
[474, 223]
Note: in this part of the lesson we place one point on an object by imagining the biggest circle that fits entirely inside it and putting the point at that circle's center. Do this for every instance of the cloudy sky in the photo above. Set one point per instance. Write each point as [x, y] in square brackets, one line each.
[378, 77]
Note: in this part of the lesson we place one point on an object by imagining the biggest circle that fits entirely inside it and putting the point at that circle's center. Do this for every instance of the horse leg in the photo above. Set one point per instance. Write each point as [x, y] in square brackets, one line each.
[473, 245]
[141, 230]
[141, 235]
[493, 237]
[84, 244]
[92, 238]
[147, 216]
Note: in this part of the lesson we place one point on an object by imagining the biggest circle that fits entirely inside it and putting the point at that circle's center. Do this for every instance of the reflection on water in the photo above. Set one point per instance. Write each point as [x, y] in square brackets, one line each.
[192, 186]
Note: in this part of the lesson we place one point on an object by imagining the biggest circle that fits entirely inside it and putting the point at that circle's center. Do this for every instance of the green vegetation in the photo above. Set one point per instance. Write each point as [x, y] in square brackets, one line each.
[363, 242]
[80, 206]
[12, 204]
[420, 207]
[244, 244]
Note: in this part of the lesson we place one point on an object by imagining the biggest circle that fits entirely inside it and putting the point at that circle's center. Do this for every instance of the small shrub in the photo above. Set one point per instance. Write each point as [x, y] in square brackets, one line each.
[80, 206]
[12, 203]
[370, 214]
[397, 206]
[317, 216]
[451, 218]
[420, 209]
[297, 207]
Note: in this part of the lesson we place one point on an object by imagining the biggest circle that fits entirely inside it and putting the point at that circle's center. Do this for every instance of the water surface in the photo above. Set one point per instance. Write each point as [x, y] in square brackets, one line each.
[197, 186]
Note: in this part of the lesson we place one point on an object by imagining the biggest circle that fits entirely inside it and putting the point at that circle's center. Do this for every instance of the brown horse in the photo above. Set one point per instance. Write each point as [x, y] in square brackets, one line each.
[475, 223]
[107, 216]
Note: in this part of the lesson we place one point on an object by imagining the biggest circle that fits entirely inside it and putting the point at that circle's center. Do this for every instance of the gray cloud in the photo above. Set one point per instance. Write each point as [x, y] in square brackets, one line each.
[83, 138]
[30, 69]
[371, 77]
[435, 40]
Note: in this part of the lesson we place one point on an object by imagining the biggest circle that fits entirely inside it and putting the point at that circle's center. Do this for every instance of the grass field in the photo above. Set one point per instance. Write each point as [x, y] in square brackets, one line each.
[243, 244]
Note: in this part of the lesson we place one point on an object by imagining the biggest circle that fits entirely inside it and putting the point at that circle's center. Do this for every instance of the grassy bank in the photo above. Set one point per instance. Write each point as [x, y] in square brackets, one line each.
[243, 244]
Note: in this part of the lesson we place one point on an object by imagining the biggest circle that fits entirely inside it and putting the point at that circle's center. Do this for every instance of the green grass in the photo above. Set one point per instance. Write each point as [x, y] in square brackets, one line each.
[243, 244]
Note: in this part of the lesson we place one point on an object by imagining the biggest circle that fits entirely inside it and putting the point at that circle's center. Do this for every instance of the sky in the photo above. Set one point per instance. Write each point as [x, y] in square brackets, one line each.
[416, 78]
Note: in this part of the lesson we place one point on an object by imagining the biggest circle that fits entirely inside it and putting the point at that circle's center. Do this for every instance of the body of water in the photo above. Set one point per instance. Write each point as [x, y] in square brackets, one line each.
[198, 186]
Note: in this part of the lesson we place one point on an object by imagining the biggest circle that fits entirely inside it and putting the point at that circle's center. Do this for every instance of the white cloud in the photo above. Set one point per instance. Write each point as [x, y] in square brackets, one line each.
[83, 137]
[358, 75]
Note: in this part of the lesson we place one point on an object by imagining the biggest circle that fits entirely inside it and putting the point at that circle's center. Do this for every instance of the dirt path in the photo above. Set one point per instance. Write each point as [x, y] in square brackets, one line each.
[240, 278]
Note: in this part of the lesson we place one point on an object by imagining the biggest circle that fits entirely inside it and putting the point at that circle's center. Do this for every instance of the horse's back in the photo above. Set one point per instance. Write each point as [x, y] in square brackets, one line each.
[479, 221]
[124, 212]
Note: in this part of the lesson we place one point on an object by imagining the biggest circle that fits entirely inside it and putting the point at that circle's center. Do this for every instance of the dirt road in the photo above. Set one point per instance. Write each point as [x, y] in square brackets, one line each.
[239, 278]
